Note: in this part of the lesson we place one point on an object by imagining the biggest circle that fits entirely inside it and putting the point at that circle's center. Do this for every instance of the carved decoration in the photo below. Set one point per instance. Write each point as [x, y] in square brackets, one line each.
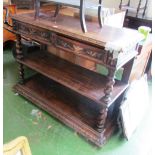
[110, 60]
[64, 44]
[79, 50]
[19, 52]
[106, 99]
[52, 38]
[21, 73]
[109, 86]
[19, 55]
[15, 25]
[93, 54]
[101, 119]
[31, 31]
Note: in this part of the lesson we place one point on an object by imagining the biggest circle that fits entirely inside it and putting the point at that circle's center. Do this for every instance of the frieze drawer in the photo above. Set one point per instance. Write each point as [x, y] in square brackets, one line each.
[87, 51]
[35, 33]
[47, 37]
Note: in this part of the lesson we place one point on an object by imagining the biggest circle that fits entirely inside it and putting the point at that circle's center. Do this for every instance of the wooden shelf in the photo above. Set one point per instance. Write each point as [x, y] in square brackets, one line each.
[71, 93]
[65, 105]
[82, 81]
[54, 94]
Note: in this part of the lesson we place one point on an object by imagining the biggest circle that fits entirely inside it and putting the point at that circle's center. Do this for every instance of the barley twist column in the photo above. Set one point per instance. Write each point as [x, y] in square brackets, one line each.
[107, 97]
[19, 55]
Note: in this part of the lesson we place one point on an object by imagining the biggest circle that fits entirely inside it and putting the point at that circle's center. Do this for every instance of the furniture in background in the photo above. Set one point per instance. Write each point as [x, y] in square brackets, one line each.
[140, 8]
[144, 59]
[142, 63]
[134, 22]
[84, 100]
[80, 4]
[21, 4]
[8, 9]
[18, 146]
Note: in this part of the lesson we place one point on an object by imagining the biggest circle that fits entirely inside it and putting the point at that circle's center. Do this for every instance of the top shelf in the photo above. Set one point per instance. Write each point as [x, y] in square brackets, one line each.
[70, 27]
[82, 81]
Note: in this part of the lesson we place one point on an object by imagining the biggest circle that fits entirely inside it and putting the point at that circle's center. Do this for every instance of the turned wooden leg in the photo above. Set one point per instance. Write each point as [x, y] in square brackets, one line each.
[100, 18]
[82, 17]
[37, 8]
[21, 73]
[145, 7]
[106, 99]
[101, 119]
[138, 8]
[19, 53]
[109, 87]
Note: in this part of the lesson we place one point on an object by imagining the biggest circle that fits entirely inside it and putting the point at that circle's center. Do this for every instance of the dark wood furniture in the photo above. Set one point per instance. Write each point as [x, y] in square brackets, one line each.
[8, 10]
[28, 4]
[84, 100]
[140, 7]
[134, 22]
[81, 4]
[143, 60]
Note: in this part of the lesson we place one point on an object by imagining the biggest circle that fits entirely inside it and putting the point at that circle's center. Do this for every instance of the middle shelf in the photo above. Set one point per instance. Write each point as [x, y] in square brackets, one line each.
[79, 79]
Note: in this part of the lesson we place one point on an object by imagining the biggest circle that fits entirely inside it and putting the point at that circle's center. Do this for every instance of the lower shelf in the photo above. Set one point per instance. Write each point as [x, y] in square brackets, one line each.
[64, 104]
[82, 81]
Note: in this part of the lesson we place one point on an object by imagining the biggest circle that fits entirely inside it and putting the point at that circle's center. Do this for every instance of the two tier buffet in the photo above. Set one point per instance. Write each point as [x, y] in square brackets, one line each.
[82, 99]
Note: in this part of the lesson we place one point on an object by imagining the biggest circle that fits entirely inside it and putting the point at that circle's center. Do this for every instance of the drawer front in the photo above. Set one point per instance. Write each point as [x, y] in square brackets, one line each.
[32, 32]
[83, 50]
[45, 36]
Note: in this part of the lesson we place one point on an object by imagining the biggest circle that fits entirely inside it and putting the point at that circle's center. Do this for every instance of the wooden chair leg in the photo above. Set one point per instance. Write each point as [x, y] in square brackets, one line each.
[100, 18]
[120, 5]
[138, 8]
[82, 17]
[56, 10]
[37, 8]
[145, 7]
